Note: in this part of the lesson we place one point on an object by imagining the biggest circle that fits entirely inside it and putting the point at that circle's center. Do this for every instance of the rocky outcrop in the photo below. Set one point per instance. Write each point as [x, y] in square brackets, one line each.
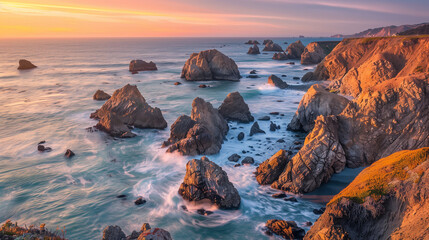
[145, 233]
[270, 170]
[255, 129]
[206, 180]
[285, 229]
[210, 65]
[234, 108]
[266, 41]
[312, 54]
[100, 95]
[273, 47]
[140, 65]
[317, 101]
[252, 42]
[254, 50]
[307, 77]
[127, 107]
[25, 64]
[277, 82]
[201, 133]
[294, 50]
[387, 200]
[280, 56]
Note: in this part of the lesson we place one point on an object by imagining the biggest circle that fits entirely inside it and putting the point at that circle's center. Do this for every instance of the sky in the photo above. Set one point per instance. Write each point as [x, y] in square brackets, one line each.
[203, 18]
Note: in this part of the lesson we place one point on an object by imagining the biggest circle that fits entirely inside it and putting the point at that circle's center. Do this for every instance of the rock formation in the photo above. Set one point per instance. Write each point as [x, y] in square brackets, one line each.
[315, 52]
[285, 229]
[254, 50]
[210, 65]
[234, 108]
[145, 233]
[127, 107]
[140, 65]
[202, 133]
[206, 180]
[294, 50]
[266, 41]
[100, 95]
[255, 129]
[270, 170]
[307, 77]
[252, 42]
[277, 82]
[317, 101]
[25, 64]
[381, 31]
[273, 47]
[280, 56]
[387, 200]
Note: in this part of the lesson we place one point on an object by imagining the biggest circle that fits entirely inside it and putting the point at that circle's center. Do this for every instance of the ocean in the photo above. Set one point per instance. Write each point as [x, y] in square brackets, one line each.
[53, 102]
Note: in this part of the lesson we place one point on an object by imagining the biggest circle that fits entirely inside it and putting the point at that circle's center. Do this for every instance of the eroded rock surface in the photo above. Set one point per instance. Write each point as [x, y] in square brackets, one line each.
[234, 108]
[270, 170]
[140, 65]
[25, 64]
[254, 50]
[273, 47]
[277, 82]
[285, 229]
[100, 95]
[294, 50]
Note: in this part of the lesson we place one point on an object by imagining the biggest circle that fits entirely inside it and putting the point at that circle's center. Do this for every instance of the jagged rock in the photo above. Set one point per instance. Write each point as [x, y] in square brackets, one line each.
[273, 47]
[25, 64]
[313, 54]
[210, 65]
[255, 129]
[69, 153]
[270, 170]
[127, 107]
[145, 233]
[207, 129]
[252, 42]
[240, 136]
[100, 95]
[206, 180]
[254, 50]
[234, 157]
[140, 65]
[285, 229]
[113, 233]
[248, 160]
[280, 56]
[266, 41]
[321, 156]
[317, 101]
[139, 201]
[234, 108]
[294, 50]
[277, 82]
[273, 127]
[307, 77]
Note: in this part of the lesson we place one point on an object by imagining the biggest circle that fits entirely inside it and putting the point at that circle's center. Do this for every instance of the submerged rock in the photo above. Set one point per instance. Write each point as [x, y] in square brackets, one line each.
[234, 157]
[285, 229]
[235, 109]
[270, 170]
[140, 65]
[69, 153]
[100, 95]
[205, 131]
[25, 64]
[127, 107]
[248, 160]
[240, 136]
[206, 180]
[277, 82]
[252, 42]
[210, 65]
[254, 50]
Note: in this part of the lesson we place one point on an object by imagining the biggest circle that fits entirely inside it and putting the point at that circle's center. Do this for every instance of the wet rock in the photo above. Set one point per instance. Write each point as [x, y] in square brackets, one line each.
[210, 65]
[145, 227]
[42, 142]
[140, 65]
[281, 141]
[255, 129]
[69, 153]
[280, 56]
[296, 78]
[253, 72]
[295, 50]
[234, 108]
[290, 63]
[234, 157]
[307, 224]
[25, 64]
[184, 208]
[100, 95]
[203, 212]
[307, 77]
[277, 82]
[273, 127]
[248, 160]
[274, 113]
[285, 229]
[284, 75]
[319, 211]
[274, 47]
[155, 234]
[264, 118]
[42, 148]
[205, 131]
[237, 165]
[266, 41]
[254, 50]
[121, 196]
[113, 233]
[290, 199]
[279, 195]
[253, 76]
[139, 201]
[127, 107]
[177, 83]
[252, 42]
[240, 136]
[206, 180]
[270, 170]
[202, 86]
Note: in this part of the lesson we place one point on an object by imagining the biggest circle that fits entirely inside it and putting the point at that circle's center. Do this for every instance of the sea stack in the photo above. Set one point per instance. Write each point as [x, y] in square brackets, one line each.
[25, 65]
[140, 65]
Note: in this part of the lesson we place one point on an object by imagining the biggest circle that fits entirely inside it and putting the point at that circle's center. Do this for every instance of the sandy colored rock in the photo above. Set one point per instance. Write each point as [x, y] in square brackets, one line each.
[210, 65]
[294, 50]
[285, 229]
[206, 180]
[312, 54]
[234, 108]
[270, 170]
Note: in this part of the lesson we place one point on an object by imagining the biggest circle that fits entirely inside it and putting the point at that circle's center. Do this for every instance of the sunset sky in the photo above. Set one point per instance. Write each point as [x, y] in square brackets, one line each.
[202, 18]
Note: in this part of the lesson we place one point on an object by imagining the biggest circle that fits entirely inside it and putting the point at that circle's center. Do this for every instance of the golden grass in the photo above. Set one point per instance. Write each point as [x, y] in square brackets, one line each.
[375, 180]
[12, 229]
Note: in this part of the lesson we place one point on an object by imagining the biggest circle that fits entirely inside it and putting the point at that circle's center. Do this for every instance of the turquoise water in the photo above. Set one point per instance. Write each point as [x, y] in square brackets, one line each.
[53, 103]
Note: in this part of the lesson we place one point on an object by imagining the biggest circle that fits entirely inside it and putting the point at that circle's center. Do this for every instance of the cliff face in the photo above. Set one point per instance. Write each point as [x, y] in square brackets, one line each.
[387, 200]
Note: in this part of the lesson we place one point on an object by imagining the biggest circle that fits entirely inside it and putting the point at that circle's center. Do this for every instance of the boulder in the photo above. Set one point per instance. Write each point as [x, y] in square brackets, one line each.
[252, 42]
[234, 157]
[248, 160]
[113, 233]
[100, 95]
[285, 229]
[240, 136]
[273, 47]
[317, 101]
[127, 107]
[145, 233]
[307, 77]
[254, 50]
[69, 153]
[205, 131]
[210, 65]
[313, 54]
[270, 170]
[25, 64]
[234, 108]
[255, 129]
[294, 50]
[140, 65]
[280, 56]
[206, 180]
[277, 82]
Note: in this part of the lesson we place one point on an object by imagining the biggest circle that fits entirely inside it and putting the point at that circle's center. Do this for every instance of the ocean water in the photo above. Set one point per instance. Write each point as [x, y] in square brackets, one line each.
[53, 103]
